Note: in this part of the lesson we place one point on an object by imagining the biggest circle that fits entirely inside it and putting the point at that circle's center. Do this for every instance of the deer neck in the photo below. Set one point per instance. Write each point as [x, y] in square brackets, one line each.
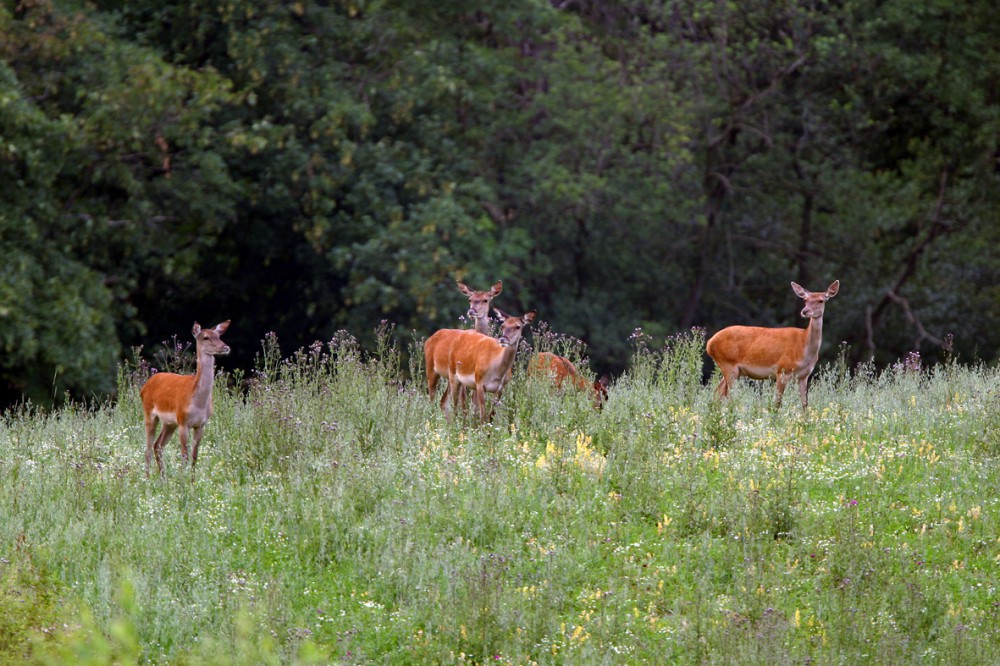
[204, 378]
[504, 362]
[814, 338]
[482, 324]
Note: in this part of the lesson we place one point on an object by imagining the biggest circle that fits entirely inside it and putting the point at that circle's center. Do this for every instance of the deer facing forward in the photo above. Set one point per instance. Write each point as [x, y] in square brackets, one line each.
[479, 305]
[182, 402]
[473, 360]
[785, 354]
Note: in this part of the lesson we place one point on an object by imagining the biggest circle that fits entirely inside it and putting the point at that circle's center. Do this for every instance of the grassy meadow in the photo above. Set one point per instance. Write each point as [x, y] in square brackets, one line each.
[337, 517]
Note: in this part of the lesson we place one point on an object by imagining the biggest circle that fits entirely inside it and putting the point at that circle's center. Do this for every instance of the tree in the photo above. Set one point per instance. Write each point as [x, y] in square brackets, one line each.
[57, 331]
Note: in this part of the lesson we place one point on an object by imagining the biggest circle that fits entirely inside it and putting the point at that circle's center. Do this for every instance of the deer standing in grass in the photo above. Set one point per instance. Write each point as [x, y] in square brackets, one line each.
[479, 312]
[561, 370]
[786, 354]
[470, 359]
[182, 402]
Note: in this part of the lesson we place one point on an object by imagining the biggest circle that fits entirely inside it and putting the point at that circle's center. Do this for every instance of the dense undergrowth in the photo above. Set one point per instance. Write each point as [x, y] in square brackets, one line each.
[337, 517]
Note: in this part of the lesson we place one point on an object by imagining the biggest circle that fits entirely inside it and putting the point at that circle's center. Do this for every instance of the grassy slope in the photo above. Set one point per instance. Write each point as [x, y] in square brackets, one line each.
[336, 516]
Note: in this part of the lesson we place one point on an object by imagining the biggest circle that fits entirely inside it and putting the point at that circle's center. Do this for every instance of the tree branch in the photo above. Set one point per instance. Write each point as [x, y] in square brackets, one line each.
[922, 333]
[874, 315]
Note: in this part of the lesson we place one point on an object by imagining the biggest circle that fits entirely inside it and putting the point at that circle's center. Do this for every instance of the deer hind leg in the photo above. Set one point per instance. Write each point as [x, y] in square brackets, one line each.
[781, 381]
[444, 396]
[160, 442]
[433, 377]
[432, 383]
[458, 390]
[729, 376]
[722, 390]
[450, 397]
[151, 423]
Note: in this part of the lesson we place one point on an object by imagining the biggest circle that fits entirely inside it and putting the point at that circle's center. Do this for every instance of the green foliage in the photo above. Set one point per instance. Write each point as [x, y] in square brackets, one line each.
[57, 330]
[29, 602]
[313, 167]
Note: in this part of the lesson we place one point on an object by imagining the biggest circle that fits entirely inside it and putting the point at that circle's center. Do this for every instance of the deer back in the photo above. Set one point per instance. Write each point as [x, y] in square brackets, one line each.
[768, 350]
[437, 349]
[169, 393]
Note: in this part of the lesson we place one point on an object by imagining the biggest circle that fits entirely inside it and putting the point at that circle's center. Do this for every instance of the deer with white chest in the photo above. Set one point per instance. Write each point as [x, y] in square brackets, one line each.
[472, 360]
[182, 403]
[784, 354]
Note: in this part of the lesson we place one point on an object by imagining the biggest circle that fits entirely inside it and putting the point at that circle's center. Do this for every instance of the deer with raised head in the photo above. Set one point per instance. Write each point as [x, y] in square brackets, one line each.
[479, 312]
[785, 354]
[469, 359]
[561, 370]
[479, 305]
[182, 402]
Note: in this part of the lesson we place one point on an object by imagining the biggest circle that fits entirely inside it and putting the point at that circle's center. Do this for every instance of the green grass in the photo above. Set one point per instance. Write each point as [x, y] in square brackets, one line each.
[337, 517]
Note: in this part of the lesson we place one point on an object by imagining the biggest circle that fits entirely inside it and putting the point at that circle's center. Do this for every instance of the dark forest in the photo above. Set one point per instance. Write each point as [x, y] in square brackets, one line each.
[307, 167]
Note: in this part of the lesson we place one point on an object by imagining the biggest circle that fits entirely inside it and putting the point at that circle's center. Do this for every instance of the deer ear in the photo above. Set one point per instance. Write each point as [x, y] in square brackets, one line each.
[501, 313]
[196, 329]
[496, 289]
[221, 328]
[529, 317]
[799, 291]
[832, 290]
[462, 288]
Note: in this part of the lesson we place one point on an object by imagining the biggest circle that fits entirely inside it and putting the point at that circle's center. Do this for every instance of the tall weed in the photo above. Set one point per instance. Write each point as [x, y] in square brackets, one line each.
[337, 516]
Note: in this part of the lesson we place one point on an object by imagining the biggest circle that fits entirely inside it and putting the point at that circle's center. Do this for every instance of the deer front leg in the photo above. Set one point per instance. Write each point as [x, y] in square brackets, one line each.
[183, 433]
[160, 442]
[198, 433]
[481, 401]
[804, 391]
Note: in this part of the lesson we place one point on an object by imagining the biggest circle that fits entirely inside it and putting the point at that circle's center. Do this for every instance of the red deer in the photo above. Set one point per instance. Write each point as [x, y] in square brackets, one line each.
[561, 369]
[470, 359]
[479, 305]
[182, 402]
[785, 354]
[479, 312]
